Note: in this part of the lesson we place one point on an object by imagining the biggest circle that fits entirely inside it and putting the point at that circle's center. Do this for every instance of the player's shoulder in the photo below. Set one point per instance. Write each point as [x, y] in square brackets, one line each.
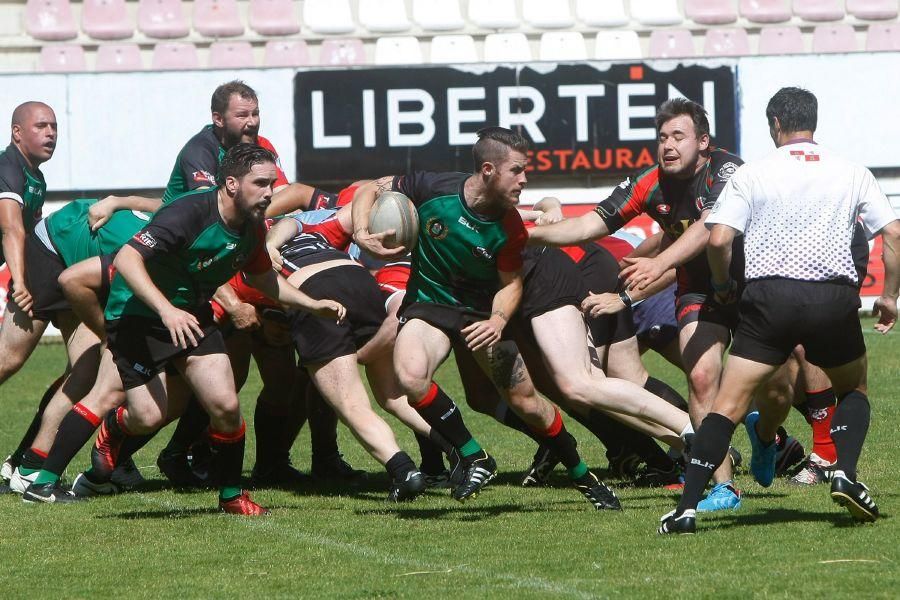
[196, 207]
[263, 142]
[512, 222]
[723, 164]
[202, 143]
[642, 180]
[431, 184]
[12, 168]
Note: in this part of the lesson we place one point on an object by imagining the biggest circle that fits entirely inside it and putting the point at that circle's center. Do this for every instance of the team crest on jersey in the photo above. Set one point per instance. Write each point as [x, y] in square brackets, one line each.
[436, 228]
[663, 209]
[726, 170]
[204, 177]
[482, 253]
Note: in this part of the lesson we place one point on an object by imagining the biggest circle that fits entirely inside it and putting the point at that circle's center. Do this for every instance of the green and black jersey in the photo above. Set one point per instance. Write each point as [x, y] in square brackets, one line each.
[198, 163]
[189, 252]
[459, 252]
[20, 183]
[71, 235]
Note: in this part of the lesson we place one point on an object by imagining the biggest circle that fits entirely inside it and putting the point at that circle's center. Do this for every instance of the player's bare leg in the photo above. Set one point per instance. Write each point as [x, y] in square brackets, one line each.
[19, 335]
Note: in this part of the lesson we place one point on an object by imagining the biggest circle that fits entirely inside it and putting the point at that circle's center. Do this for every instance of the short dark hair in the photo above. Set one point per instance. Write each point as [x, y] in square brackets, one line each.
[223, 94]
[676, 107]
[795, 108]
[240, 159]
[494, 143]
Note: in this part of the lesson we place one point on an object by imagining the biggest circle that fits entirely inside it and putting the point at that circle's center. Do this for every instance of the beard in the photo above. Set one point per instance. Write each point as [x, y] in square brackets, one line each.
[255, 213]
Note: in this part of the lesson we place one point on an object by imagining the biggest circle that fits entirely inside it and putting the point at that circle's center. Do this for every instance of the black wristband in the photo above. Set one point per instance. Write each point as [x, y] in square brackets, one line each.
[625, 298]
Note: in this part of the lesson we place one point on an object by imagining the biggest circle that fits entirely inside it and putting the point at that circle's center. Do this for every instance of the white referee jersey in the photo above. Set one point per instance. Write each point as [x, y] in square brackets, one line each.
[797, 209]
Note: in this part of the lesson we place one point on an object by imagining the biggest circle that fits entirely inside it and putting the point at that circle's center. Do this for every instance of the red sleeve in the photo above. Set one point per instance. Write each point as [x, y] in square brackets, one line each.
[345, 196]
[628, 199]
[509, 258]
[264, 143]
[259, 262]
[333, 232]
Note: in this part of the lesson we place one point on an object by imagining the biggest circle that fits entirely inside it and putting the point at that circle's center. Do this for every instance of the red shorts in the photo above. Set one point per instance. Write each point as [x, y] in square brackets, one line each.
[392, 279]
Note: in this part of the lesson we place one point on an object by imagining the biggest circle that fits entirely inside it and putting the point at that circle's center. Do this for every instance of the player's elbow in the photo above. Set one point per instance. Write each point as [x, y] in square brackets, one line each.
[720, 238]
[891, 233]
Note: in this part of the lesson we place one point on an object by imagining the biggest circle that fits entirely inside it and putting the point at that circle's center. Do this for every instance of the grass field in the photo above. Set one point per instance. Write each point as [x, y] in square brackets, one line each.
[508, 542]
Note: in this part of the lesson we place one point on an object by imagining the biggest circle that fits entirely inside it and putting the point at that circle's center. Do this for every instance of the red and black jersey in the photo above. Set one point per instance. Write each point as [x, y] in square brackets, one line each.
[316, 243]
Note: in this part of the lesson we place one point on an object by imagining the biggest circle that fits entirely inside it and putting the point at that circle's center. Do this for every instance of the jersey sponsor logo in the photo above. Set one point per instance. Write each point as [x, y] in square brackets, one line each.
[436, 228]
[606, 209]
[700, 202]
[204, 177]
[231, 245]
[726, 170]
[146, 238]
[624, 185]
[663, 209]
[482, 253]
[465, 223]
[139, 368]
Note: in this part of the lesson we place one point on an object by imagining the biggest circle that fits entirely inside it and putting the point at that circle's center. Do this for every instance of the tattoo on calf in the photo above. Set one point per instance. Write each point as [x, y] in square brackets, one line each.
[506, 365]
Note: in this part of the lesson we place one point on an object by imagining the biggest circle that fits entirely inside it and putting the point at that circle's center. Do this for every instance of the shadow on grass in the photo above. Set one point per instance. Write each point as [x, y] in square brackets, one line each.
[463, 512]
[768, 516]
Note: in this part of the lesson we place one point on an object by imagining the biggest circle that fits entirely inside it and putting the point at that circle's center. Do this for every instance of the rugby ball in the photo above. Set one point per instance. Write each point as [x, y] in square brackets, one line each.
[394, 210]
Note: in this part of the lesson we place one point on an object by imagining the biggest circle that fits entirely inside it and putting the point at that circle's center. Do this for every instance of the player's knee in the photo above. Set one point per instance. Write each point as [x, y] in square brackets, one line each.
[576, 390]
[704, 381]
[415, 385]
[10, 363]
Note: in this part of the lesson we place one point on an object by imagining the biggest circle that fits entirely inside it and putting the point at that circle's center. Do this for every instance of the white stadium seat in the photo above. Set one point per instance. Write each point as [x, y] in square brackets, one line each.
[328, 17]
[453, 49]
[656, 13]
[563, 46]
[399, 50]
[438, 15]
[383, 16]
[548, 14]
[506, 47]
[617, 45]
[493, 14]
[608, 13]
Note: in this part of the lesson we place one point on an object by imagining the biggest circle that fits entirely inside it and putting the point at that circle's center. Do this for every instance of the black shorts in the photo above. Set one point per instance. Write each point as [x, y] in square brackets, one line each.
[779, 314]
[451, 320]
[697, 307]
[142, 347]
[319, 340]
[42, 269]
[108, 270]
[552, 282]
[600, 273]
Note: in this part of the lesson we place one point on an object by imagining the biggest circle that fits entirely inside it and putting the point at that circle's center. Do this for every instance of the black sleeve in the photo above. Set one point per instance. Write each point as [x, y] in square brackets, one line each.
[722, 166]
[198, 162]
[626, 201]
[172, 228]
[11, 182]
[421, 186]
[322, 200]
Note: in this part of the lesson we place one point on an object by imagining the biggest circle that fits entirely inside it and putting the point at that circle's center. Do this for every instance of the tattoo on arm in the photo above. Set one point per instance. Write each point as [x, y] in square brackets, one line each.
[383, 185]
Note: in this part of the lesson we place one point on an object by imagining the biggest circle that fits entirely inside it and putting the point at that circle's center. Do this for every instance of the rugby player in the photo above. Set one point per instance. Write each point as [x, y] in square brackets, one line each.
[799, 291]
[677, 193]
[158, 312]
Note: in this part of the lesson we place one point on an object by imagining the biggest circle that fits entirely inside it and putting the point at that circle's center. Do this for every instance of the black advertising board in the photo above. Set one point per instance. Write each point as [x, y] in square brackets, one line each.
[583, 119]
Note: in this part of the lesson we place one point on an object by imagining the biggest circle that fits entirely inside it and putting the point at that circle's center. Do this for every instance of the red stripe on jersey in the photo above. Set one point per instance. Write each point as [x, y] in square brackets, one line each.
[509, 258]
[259, 262]
[394, 277]
[264, 143]
[333, 232]
[617, 247]
[345, 196]
[643, 189]
[576, 253]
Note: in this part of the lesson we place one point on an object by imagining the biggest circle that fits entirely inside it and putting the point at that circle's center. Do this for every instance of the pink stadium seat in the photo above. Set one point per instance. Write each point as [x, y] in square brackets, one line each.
[119, 57]
[162, 19]
[106, 19]
[872, 10]
[727, 42]
[711, 12]
[217, 18]
[274, 17]
[175, 55]
[231, 55]
[62, 58]
[883, 37]
[766, 11]
[834, 38]
[50, 20]
[819, 10]
[781, 40]
[671, 43]
[342, 52]
[286, 53]
[438, 15]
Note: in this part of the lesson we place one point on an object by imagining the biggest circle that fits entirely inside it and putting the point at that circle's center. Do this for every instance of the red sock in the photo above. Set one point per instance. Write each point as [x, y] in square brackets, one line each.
[821, 405]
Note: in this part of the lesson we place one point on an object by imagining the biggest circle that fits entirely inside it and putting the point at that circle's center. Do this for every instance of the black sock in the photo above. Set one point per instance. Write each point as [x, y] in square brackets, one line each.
[269, 429]
[666, 392]
[441, 413]
[227, 457]
[803, 409]
[849, 426]
[562, 443]
[509, 418]
[707, 453]
[438, 440]
[606, 429]
[132, 444]
[190, 427]
[646, 447]
[32, 460]
[818, 400]
[322, 425]
[75, 430]
[432, 456]
[399, 465]
[28, 438]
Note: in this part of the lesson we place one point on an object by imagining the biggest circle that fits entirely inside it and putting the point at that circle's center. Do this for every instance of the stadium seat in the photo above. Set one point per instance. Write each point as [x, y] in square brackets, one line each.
[834, 38]
[273, 17]
[765, 11]
[711, 12]
[547, 14]
[453, 49]
[50, 20]
[119, 57]
[872, 10]
[328, 17]
[63, 58]
[883, 37]
[398, 50]
[342, 52]
[438, 15]
[162, 19]
[494, 14]
[106, 19]
[726, 42]
[781, 40]
[617, 45]
[656, 13]
[286, 53]
[609, 13]
[506, 47]
[563, 45]
[168, 56]
[217, 18]
[231, 55]
[383, 16]
[671, 43]
[819, 10]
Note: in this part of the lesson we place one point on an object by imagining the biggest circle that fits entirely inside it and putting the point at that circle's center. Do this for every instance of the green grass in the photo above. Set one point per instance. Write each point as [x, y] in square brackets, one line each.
[508, 542]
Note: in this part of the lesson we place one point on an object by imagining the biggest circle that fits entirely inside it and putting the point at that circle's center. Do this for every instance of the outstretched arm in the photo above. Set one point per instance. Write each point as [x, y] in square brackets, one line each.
[568, 232]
